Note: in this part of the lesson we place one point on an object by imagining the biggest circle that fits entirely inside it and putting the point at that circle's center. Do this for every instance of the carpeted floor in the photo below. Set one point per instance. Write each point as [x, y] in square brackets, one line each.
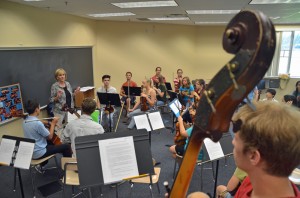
[160, 153]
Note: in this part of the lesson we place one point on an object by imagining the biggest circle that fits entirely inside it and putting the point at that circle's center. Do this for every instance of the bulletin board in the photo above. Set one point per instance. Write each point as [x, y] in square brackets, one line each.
[10, 102]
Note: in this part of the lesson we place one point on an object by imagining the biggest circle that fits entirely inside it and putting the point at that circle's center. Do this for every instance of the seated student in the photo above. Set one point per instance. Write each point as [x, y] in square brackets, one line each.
[187, 91]
[161, 91]
[270, 94]
[178, 80]
[296, 93]
[232, 185]
[129, 83]
[36, 130]
[82, 126]
[266, 147]
[155, 77]
[290, 100]
[149, 97]
[180, 149]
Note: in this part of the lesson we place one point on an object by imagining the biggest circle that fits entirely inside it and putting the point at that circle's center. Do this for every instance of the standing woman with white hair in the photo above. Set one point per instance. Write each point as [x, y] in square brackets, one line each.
[62, 96]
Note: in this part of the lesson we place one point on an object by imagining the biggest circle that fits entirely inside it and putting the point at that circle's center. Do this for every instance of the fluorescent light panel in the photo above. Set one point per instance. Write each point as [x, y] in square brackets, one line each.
[146, 4]
[169, 19]
[213, 11]
[274, 1]
[112, 14]
[33, 0]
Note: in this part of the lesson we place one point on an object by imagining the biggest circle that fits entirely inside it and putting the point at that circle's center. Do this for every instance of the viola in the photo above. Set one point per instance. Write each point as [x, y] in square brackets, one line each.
[109, 109]
[179, 140]
[250, 35]
[70, 110]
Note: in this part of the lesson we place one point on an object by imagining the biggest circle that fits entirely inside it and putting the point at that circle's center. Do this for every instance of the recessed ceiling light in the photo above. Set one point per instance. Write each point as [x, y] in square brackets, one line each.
[169, 19]
[112, 14]
[33, 0]
[213, 11]
[206, 22]
[146, 4]
[274, 1]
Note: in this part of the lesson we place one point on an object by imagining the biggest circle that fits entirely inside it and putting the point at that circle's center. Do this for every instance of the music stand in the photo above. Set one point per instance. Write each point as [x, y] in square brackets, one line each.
[17, 170]
[169, 86]
[109, 99]
[89, 162]
[134, 91]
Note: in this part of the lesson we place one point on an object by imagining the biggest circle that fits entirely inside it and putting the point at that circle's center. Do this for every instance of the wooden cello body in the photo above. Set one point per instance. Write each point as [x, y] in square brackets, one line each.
[250, 35]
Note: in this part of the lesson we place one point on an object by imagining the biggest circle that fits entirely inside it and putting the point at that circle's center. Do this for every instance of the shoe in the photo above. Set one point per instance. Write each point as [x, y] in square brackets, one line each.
[39, 169]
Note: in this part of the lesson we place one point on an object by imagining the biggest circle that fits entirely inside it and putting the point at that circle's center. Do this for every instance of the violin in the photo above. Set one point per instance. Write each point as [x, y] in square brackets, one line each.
[179, 140]
[109, 109]
[250, 35]
[70, 110]
[144, 105]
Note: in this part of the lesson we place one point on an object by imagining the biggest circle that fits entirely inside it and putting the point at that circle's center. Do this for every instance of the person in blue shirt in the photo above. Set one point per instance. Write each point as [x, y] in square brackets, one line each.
[35, 129]
[187, 91]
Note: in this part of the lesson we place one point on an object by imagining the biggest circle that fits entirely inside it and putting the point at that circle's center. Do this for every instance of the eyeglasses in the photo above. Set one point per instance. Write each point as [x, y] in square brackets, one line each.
[237, 125]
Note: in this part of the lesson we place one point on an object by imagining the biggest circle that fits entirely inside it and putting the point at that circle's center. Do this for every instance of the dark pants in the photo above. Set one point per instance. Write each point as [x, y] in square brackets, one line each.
[64, 149]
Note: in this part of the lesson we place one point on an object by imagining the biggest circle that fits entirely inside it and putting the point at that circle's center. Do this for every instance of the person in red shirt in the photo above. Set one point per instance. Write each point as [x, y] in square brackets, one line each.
[157, 74]
[266, 146]
[129, 83]
[178, 80]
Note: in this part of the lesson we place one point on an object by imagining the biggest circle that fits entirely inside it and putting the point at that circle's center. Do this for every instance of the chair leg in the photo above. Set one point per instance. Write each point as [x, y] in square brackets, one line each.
[15, 180]
[174, 171]
[151, 193]
[131, 188]
[57, 167]
[73, 191]
[158, 187]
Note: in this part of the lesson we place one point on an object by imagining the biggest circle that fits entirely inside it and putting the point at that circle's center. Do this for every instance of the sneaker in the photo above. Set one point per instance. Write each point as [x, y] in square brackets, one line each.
[39, 169]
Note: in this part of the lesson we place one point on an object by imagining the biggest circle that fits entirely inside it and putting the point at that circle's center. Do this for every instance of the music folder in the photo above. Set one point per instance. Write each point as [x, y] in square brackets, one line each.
[169, 86]
[133, 91]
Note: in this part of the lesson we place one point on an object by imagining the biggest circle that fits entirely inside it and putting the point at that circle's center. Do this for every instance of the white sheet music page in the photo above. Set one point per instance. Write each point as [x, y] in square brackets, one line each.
[118, 159]
[141, 122]
[156, 120]
[24, 155]
[214, 149]
[7, 147]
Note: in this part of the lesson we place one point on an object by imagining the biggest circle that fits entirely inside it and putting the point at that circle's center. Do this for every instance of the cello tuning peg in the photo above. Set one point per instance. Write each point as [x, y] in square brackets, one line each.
[232, 35]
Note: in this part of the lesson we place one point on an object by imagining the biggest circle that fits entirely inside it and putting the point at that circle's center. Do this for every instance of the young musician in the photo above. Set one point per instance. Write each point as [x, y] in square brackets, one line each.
[178, 80]
[161, 91]
[155, 77]
[82, 126]
[180, 149]
[200, 87]
[36, 130]
[187, 90]
[266, 147]
[296, 93]
[148, 97]
[270, 95]
[128, 83]
[61, 95]
[106, 88]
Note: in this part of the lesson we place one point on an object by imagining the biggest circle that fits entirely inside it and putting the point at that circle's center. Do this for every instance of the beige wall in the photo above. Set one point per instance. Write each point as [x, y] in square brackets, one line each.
[117, 46]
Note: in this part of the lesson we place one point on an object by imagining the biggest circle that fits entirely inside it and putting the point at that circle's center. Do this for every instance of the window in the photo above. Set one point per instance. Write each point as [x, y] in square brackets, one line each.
[286, 58]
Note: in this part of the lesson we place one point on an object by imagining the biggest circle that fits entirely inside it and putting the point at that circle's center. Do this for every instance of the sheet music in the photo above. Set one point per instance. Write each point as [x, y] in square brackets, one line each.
[175, 107]
[118, 159]
[24, 155]
[6, 151]
[141, 122]
[156, 120]
[83, 89]
[214, 150]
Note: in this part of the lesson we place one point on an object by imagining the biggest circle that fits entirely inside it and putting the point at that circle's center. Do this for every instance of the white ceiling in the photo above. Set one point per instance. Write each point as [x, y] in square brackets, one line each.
[289, 13]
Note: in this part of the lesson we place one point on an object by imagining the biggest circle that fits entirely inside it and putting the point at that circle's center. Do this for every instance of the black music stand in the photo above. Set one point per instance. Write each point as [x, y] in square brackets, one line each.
[17, 170]
[227, 147]
[174, 95]
[89, 162]
[134, 91]
[109, 99]
[169, 86]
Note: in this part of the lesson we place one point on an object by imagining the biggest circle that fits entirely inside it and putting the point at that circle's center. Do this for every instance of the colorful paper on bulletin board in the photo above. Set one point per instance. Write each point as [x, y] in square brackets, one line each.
[10, 102]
